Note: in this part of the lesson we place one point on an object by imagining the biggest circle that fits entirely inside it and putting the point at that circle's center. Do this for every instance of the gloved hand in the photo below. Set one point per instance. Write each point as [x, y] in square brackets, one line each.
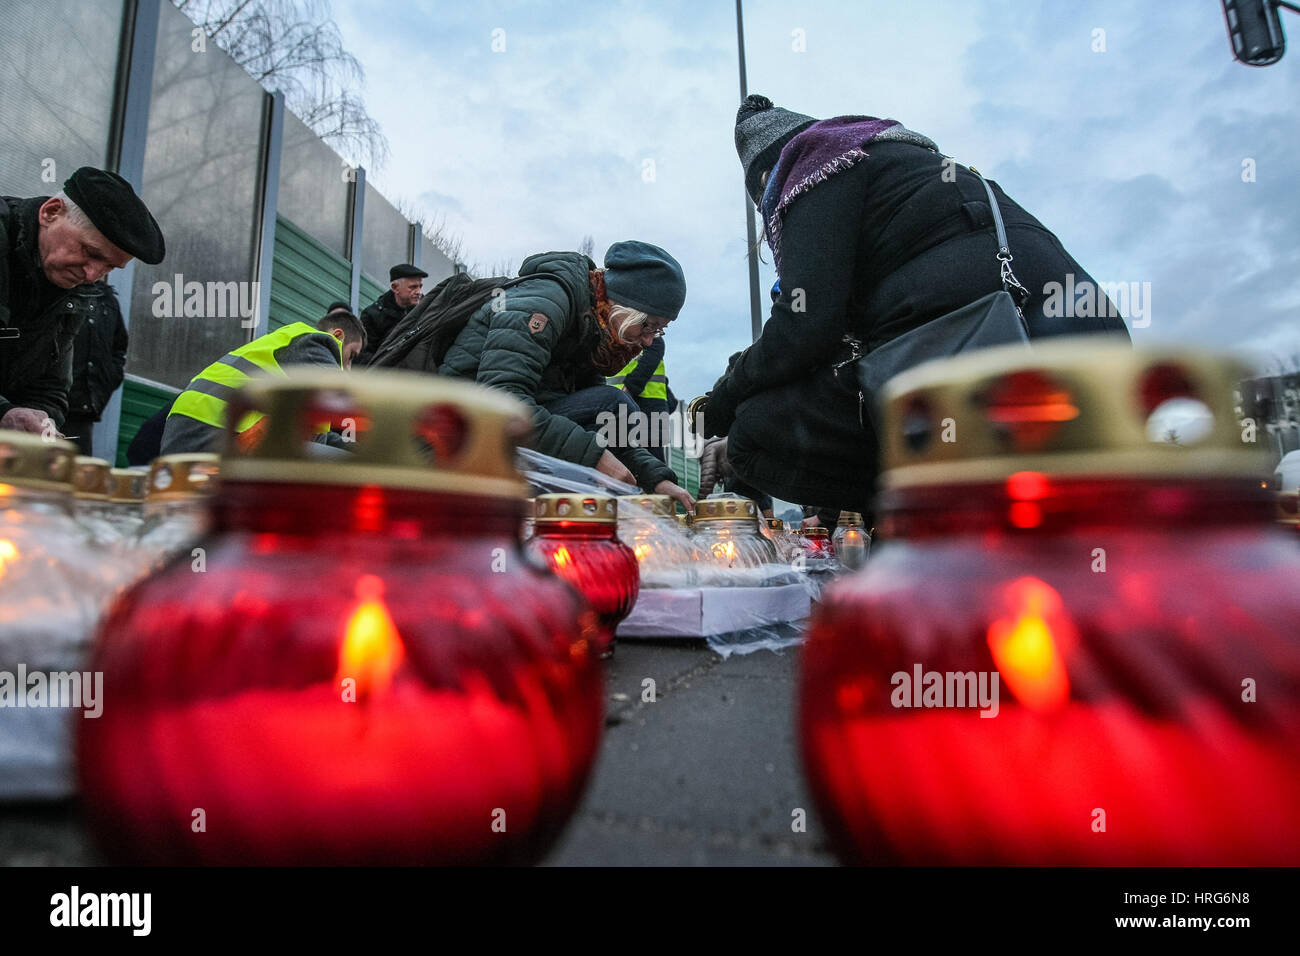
[714, 465]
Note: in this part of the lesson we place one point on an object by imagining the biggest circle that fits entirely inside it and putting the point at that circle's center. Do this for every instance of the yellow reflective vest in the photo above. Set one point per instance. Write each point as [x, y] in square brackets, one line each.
[209, 392]
[656, 387]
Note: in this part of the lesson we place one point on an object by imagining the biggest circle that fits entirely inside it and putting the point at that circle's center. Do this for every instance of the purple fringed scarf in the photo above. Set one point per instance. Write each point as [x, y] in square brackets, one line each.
[819, 152]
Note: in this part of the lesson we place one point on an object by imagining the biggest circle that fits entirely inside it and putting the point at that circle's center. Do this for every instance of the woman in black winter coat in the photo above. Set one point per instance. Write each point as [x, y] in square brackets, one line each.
[874, 232]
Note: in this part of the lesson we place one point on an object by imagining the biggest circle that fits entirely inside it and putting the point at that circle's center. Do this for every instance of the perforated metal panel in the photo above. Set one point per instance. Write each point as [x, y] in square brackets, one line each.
[313, 187]
[434, 262]
[58, 98]
[384, 237]
[201, 183]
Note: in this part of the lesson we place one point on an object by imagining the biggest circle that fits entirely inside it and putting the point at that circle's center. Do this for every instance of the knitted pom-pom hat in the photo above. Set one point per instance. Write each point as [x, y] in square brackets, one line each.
[762, 130]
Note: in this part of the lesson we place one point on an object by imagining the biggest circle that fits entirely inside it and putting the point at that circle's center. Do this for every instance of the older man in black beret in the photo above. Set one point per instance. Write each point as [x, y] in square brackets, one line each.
[52, 251]
[406, 285]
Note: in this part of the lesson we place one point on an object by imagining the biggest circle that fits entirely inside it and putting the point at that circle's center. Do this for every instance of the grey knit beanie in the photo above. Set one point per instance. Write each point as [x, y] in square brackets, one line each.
[762, 130]
[644, 277]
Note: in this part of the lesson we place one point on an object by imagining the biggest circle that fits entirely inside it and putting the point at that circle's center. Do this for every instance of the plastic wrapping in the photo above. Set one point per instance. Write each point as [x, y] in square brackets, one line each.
[769, 637]
[551, 475]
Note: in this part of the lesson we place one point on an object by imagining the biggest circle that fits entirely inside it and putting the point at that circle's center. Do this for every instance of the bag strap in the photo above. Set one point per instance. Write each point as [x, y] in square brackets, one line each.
[1010, 283]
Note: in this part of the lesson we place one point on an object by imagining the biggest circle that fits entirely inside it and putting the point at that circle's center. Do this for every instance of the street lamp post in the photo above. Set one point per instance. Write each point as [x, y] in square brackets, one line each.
[755, 301]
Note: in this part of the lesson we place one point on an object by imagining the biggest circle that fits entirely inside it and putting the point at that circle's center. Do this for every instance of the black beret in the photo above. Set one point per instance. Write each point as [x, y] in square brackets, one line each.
[114, 209]
[406, 271]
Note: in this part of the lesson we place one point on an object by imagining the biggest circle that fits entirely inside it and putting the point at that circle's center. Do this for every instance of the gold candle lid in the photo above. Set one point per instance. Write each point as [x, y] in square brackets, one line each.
[726, 508]
[128, 485]
[571, 507]
[686, 519]
[851, 519]
[775, 524]
[400, 429]
[1068, 406]
[34, 461]
[181, 477]
[636, 506]
[818, 532]
[92, 478]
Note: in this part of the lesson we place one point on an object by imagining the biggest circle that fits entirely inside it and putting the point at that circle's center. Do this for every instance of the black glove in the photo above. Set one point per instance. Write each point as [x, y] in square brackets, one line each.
[714, 465]
[719, 410]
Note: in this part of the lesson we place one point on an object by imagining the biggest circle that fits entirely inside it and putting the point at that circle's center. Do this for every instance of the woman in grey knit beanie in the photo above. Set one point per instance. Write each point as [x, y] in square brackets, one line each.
[874, 232]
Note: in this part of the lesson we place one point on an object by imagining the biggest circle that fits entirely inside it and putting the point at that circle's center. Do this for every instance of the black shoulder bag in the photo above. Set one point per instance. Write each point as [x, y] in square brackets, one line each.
[994, 319]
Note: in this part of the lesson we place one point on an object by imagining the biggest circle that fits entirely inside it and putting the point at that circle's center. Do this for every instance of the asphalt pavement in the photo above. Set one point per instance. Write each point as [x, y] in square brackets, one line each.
[705, 774]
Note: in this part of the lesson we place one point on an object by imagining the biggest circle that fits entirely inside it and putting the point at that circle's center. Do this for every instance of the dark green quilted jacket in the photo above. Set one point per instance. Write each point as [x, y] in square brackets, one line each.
[536, 348]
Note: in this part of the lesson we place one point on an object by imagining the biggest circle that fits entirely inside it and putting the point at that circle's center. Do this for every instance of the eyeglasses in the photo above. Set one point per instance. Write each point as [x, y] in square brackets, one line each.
[657, 330]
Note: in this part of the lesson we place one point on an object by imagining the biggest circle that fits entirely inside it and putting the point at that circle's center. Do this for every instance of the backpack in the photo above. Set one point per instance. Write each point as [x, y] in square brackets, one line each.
[421, 340]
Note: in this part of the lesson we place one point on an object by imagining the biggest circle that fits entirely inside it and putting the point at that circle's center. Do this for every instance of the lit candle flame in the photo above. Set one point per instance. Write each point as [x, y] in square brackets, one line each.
[725, 550]
[372, 648]
[561, 557]
[1025, 645]
[642, 551]
[8, 554]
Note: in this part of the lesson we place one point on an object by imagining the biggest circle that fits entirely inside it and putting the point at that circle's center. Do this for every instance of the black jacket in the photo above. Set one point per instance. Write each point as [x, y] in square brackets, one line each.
[880, 249]
[36, 366]
[378, 319]
[98, 356]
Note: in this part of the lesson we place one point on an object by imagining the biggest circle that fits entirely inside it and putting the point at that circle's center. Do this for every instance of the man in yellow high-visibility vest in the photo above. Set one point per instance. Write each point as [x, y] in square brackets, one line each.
[197, 419]
[645, 378]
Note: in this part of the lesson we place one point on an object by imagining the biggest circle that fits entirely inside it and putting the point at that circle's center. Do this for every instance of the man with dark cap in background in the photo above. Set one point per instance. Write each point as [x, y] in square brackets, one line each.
[52, 249]
[406, 285]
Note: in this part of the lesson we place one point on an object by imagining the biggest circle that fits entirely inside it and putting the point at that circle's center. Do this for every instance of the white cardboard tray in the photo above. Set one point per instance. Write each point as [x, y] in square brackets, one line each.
[703, 612]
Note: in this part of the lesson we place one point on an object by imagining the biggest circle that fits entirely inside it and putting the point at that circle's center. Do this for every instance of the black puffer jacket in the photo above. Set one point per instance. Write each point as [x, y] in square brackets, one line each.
[36, 365]
[881, 248]
[378, 318]
[98, 356]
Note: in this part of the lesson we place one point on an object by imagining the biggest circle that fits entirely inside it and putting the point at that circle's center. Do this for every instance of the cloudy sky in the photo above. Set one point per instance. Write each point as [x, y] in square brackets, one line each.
[1133, 154]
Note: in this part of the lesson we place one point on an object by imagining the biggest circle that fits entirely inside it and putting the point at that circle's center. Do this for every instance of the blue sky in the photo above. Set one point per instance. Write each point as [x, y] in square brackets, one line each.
[1132, 155]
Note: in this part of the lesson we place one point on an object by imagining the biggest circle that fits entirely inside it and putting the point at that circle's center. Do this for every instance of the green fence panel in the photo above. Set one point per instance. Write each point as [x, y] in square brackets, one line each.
[141, 399]
[687, 468]
[306, 277]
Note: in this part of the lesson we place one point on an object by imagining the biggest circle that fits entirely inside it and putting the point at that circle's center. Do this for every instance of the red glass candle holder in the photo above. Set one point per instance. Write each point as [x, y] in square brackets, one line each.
[576, 537]
[1062, 666]
[349, 673]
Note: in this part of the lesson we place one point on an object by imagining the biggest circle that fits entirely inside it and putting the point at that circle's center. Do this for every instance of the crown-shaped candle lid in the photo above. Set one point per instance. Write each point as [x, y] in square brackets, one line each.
[92, 478]
[637, 506]
[34, 461]
[726, 508]
[394, 429]
[181, 477]
[128, 485]
[1069, 406]
[572, 508]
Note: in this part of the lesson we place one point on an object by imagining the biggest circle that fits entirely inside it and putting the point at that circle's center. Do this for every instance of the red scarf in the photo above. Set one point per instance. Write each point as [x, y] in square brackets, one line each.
[610, 355]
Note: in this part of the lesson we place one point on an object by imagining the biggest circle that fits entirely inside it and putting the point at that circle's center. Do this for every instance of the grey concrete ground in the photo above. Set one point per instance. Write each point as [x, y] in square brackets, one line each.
[706, 774]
